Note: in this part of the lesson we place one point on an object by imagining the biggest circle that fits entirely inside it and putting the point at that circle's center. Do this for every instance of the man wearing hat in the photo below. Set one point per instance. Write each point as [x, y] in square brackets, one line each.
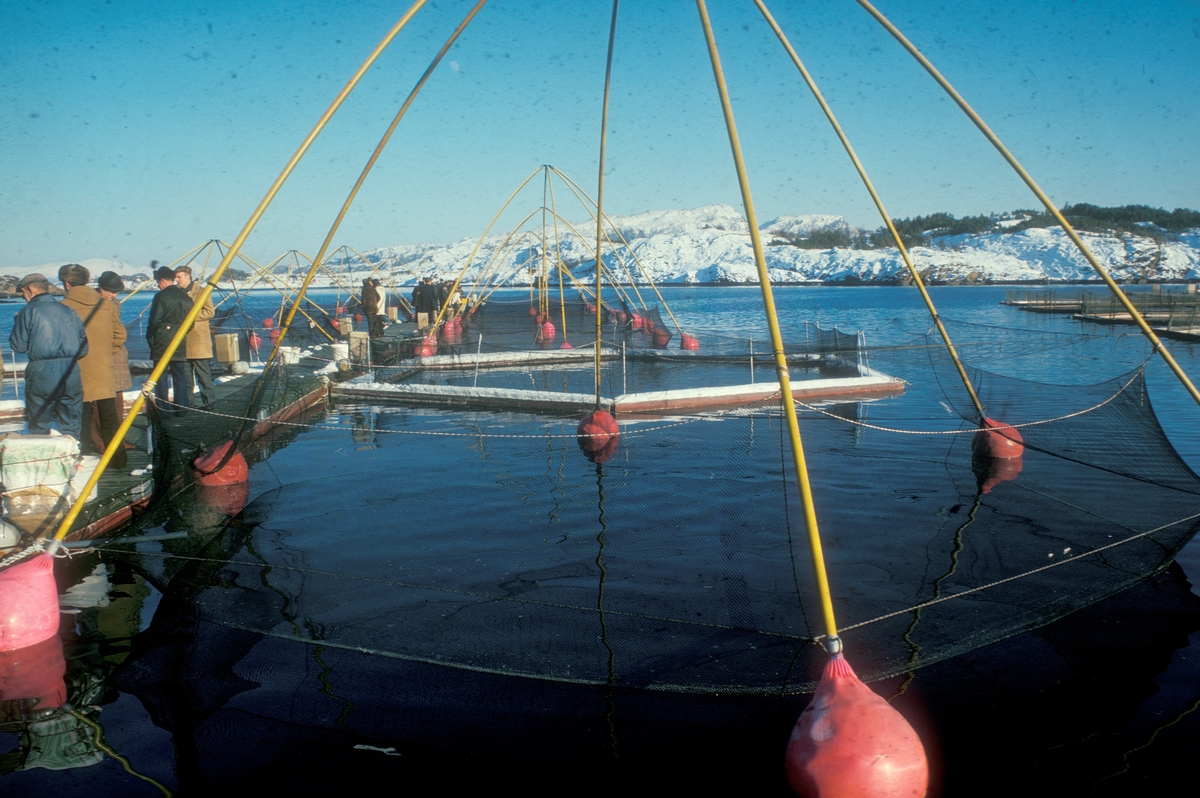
[54, 339]
[167, 313]
[102, 321]
[199, 339]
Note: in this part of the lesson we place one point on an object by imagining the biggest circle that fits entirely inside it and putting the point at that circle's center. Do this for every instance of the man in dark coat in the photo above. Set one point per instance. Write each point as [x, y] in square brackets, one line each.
[371, 306]
[55, 340]
[425, 299]
[167, 313]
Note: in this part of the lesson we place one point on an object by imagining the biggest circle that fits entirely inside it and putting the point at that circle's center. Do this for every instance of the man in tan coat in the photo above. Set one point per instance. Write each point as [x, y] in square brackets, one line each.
[199, 339]
[105, 332]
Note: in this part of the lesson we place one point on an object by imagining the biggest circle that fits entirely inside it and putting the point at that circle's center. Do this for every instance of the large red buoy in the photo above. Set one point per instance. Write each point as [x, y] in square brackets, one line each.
[274, 335]
[850, 743]
[997, 440]
[28, 603]
[566, 345]
[547, 331]
[533, 311]
[334, 324]
[428, 347]
[598, 435]
[219, 467]
[589, 309]
[637, 321]
[268, 323]
[688, 341]
[34, 674]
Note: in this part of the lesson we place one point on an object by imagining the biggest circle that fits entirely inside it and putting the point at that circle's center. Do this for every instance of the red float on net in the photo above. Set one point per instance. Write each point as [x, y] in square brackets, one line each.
[688, 341]
[268, 323]
[850, 743]
[997, 440]
[28, 603]
[221, 466]
[598, 435]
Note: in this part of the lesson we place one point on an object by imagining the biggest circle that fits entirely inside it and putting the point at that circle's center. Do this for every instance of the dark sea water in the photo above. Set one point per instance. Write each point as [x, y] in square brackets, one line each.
[438, 601]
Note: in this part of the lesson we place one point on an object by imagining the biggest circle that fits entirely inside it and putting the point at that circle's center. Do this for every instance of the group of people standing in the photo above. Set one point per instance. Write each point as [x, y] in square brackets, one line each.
[190, 364]
[78, 365]
[429, 298]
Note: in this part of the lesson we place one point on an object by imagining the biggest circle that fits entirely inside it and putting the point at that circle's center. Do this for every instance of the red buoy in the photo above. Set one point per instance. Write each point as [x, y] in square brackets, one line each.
[334, 324]
[28, 603]
[589, 309]
[637, 321]
[219, 467]
[547, 331]
[850, 743]
[34, 674]
[533, 311]
[274, 335]
[997, 440]
[268, 323]
[340, 310]
[688, 341]
[254, 340]
[598, 435]
[358, 317]
[566, 345]
[428, 347]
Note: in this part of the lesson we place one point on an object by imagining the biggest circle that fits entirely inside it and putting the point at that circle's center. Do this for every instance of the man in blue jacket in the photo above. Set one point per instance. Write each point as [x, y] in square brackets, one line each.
[54, 338]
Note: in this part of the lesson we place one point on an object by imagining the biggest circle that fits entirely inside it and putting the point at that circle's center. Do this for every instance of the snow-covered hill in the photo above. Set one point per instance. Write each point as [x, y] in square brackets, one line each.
[712, 245]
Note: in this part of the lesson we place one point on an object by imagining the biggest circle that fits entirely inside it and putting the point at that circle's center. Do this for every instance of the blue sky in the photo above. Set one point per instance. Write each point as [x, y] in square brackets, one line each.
[139, 129]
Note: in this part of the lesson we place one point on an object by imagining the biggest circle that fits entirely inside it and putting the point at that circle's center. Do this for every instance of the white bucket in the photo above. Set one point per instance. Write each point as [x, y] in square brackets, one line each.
[289, 355]
[341, 351]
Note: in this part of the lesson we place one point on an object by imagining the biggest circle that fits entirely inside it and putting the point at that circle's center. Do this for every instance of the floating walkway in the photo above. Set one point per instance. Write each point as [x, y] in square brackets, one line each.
[870, 383]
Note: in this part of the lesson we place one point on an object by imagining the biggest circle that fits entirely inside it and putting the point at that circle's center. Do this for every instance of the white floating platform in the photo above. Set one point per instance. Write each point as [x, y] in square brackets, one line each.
[872, 383]
[513, 398]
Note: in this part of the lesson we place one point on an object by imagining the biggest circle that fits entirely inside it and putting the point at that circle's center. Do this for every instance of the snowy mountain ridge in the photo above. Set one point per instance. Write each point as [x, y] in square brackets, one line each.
[711, 245]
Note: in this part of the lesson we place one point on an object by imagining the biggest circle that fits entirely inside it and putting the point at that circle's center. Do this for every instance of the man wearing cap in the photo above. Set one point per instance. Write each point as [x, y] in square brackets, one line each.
[167, 313]
[54, 339]
[102, 321]
[199, 339]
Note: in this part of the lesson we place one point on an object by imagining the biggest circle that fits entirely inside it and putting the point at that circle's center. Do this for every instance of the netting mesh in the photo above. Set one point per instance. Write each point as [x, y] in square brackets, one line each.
[485, 541]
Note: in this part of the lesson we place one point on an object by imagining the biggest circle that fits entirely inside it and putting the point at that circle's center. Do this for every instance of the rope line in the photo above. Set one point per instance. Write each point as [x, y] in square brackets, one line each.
[1023, 575]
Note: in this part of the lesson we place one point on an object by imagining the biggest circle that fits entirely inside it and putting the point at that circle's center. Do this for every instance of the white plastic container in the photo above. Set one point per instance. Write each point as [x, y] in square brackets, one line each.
[289, 355]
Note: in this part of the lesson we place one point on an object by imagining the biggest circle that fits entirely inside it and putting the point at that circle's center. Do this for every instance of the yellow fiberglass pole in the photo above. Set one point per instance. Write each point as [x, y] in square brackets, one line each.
[612, 35]
[833, 643]
[1033, 186]
[887, 220]
[366, 170]
[148, 386]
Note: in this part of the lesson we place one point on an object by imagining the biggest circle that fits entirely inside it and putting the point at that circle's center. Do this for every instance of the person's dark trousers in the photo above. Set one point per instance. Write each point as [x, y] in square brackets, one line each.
[177, 373]
[102, 412]
[200, 373]
[53, 392]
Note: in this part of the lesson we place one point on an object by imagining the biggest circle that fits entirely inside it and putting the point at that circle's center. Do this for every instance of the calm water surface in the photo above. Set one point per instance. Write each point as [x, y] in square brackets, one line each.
[189, 650]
